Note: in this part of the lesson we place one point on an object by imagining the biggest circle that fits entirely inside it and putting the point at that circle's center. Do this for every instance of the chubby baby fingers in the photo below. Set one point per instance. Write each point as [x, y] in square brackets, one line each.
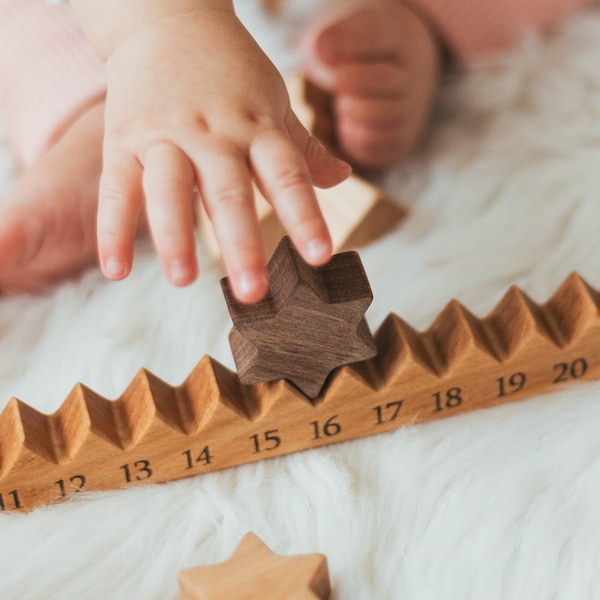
[226, 191]
[377, 132]
[283, 177]
[120, 202]
[169, 180]
[384, 78]
[325, 170]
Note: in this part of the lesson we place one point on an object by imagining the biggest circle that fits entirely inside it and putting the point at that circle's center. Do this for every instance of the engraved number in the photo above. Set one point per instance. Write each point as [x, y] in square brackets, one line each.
[142, 471]
[388, 412]
[16, 502]
[572, 370]
[204, 457]
[451, 399]
[329, 428]
[77, 482]
[511, 385]
[268, 441]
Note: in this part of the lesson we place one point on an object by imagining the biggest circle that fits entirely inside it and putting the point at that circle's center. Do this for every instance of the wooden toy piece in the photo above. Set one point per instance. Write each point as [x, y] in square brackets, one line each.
[155, 432]
[311, 322]
[356, 211]
[254, 571]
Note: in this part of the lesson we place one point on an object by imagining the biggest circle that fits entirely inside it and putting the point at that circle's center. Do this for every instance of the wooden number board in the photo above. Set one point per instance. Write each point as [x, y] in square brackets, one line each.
[156, 432]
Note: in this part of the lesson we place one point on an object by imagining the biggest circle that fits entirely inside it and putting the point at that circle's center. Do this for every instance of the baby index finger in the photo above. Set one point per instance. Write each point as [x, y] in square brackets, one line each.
[283, 177]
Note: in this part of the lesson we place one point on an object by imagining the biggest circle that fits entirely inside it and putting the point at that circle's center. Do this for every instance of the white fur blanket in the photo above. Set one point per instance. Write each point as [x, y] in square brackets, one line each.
[496, 504]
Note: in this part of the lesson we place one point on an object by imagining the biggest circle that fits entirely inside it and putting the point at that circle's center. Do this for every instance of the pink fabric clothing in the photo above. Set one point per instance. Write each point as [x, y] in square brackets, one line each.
[473, 28]
[48, 73]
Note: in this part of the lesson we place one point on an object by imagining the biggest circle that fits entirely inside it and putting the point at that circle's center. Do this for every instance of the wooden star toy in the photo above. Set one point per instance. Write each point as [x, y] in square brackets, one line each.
[254, 571]
[311, 322]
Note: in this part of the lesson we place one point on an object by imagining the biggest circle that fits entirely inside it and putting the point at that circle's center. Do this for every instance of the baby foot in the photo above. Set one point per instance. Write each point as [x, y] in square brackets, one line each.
[48, 219]
[381, 62]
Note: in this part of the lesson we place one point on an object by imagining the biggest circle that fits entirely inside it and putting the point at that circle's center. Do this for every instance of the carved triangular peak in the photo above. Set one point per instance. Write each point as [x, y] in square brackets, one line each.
[191, 405]
[401, 352]
[278, 399]
[134, 412]
[515, 320]
[12, 436]
[573, 308]
[454, 334]
[38, 437]
[247, 401]
[69, 425]
[358, 379]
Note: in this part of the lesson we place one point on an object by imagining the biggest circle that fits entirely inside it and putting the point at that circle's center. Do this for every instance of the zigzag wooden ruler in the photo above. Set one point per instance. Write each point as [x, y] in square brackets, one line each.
[155, 432]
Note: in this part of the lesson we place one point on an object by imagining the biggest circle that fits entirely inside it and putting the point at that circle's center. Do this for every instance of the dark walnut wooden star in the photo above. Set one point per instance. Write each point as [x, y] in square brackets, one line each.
[311, 322]
[255, 572]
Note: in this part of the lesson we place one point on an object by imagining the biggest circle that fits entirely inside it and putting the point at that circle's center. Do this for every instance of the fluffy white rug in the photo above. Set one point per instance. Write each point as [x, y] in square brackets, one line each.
[497, 504]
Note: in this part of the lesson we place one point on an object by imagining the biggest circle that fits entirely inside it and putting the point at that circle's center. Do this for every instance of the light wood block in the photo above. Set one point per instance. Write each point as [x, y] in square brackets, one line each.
[156, 432]
[255, 572]
[356, 211]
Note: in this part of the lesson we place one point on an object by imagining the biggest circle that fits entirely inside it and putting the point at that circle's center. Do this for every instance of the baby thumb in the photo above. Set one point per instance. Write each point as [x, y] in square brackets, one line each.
[325, 169]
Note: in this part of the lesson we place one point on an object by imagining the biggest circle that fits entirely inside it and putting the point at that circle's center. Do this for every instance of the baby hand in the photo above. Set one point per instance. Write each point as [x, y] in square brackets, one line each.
[194, 104]
[381, 62]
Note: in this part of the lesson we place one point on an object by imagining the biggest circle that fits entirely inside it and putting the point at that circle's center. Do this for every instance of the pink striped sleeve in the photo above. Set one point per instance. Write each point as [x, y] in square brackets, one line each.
[472, 28]
[48, 73]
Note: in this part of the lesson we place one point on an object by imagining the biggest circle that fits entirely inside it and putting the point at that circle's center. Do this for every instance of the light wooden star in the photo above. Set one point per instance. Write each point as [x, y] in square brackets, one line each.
[255, 572]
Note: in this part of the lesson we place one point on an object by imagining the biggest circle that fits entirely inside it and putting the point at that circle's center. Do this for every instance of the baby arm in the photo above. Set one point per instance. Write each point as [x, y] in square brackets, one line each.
[380, 60]
[48, 75]
[471, 29]
[193, 103]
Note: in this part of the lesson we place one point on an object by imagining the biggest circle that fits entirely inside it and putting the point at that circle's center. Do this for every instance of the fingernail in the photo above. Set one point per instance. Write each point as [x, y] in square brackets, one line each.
[251, 285]
[182, 271]
[340, 165]
[115, 268]
[317, 251]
